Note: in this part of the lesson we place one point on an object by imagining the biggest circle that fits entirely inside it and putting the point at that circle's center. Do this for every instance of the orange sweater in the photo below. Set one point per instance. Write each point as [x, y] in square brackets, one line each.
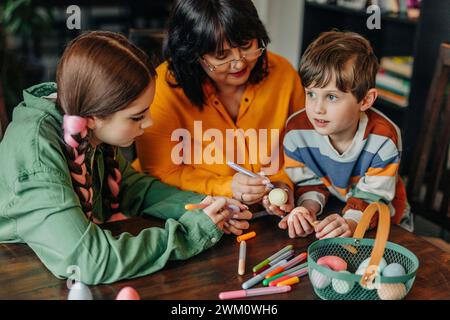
[200, 163]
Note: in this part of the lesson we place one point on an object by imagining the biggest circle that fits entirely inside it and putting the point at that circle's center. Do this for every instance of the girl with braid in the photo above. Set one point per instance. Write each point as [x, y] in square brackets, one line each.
[61, 173]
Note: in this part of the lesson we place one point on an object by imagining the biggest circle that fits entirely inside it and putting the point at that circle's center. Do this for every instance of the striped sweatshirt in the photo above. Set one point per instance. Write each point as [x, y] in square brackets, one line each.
[366, 172]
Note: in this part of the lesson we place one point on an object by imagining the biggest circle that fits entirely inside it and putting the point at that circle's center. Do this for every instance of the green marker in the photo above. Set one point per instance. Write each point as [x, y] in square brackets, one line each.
[271, 258]
[281, 274]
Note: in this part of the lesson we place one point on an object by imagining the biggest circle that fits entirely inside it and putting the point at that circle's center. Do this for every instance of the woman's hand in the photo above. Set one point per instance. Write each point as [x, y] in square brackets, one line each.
[279, 210]
[221, 212]
[249, 190]
[335, 226]
[297, 222]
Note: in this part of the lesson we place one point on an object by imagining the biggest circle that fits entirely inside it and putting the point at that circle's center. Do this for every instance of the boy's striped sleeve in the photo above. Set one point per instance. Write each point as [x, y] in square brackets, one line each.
[378, 184]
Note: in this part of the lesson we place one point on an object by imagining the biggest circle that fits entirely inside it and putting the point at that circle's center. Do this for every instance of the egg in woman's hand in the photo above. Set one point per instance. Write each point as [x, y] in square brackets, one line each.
[278, 197]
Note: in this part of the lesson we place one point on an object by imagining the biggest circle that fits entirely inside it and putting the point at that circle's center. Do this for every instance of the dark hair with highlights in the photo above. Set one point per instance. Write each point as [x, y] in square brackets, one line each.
[330, 56]
[197, 27]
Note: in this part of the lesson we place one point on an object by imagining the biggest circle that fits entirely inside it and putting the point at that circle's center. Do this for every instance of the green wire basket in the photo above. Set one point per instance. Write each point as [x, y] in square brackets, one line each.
[334, 285]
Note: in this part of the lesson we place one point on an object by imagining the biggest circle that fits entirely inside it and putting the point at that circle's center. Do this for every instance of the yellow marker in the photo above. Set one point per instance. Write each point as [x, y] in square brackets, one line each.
[246, 236]
[289, 282]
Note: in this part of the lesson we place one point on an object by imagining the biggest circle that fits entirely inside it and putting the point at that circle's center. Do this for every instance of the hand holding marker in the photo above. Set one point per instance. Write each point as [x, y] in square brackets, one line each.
[246, 172]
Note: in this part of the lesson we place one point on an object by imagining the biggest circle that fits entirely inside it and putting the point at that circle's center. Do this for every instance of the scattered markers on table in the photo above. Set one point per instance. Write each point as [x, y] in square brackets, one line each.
[271, 258]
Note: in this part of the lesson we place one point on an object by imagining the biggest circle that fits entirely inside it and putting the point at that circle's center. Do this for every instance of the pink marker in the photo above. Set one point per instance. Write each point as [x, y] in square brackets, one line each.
[253, 292]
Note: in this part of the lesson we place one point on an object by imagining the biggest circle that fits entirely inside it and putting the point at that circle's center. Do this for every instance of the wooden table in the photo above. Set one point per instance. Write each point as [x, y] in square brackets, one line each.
[23, 276]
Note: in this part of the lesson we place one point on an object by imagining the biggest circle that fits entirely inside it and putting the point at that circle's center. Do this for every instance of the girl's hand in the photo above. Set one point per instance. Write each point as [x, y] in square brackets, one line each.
[238, 223]
[335, 226]
[279, 210]
[224, 217]
[249, 190]
[297, 222]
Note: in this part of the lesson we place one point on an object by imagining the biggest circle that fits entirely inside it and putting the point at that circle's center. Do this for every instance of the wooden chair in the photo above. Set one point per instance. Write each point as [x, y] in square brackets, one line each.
[3, 114]
[429, 179]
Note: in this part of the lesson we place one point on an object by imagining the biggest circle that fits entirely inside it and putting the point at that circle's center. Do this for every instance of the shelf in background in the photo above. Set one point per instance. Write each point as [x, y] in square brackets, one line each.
[394, 17]
[382, 103]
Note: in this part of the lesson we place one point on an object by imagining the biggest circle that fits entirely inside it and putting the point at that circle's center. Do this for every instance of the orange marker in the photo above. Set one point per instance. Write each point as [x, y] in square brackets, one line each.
[246, 236]
[289, 282]
[290, 264]
[192, 206]
[298, 273]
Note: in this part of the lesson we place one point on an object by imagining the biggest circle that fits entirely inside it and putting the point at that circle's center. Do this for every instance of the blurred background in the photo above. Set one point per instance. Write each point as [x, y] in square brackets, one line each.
[407, 37]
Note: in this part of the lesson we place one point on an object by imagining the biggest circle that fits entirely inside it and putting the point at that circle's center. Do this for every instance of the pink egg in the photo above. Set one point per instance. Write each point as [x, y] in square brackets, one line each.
[128, 293]
[333, 262]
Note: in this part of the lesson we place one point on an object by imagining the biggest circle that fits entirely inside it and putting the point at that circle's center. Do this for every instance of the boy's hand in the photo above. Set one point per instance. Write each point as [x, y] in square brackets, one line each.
[335, 226]
[279, 210]
[297, 222]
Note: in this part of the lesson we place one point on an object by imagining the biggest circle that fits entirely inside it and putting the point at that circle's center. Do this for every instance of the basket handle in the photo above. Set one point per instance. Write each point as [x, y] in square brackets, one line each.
[384, 224]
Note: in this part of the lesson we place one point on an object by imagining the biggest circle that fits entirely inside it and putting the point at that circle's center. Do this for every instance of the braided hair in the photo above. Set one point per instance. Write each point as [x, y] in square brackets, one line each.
[99, 74]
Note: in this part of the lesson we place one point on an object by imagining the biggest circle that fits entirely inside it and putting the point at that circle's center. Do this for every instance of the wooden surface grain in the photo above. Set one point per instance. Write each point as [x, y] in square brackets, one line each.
[202, 277]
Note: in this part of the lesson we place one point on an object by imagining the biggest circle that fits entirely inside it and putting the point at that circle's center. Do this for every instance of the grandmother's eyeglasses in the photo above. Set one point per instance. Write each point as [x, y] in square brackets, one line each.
[247, 56]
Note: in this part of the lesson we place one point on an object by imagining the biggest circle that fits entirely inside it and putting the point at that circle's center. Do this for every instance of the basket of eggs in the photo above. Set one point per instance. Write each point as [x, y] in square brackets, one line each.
[362, 269]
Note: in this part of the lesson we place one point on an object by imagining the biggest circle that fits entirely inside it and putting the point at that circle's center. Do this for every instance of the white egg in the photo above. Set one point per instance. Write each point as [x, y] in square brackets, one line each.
[278, 197]
[342, 286]
[394, 270]
[319, 280]
[382, 264]
[79, 291]
[391, 291]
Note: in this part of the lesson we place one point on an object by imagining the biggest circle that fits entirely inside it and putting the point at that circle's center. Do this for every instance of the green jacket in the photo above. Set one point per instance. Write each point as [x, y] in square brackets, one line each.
[39, 207]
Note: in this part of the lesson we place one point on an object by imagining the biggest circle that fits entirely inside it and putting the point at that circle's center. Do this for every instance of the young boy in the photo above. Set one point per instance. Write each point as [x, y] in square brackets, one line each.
[338, 144]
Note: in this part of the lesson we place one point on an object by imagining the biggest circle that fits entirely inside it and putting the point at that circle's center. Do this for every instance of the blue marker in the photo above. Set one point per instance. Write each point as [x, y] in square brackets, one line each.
[246, 172]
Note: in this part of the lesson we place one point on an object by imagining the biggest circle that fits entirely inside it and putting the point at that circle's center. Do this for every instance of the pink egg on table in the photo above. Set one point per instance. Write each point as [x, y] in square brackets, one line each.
[128, 293]
[333, 262]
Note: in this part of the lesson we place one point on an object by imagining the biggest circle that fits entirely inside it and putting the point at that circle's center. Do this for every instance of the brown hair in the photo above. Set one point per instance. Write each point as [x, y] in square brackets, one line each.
[99, 74]
[330, 55]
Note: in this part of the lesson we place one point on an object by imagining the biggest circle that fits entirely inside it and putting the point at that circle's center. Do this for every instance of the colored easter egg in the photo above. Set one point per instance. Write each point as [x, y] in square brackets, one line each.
[391, 291]
[79, 291]
[333, 262]
[342, 286]
[381, 266]
[128, 293]
[394, 270]
[319, 280]
[278, 197]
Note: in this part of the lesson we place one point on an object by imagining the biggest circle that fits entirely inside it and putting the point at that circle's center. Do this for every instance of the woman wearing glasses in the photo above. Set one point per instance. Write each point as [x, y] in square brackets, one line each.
[220, 96]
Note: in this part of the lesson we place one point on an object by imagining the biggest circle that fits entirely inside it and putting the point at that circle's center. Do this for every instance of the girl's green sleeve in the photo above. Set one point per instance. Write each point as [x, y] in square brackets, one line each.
[143, 194]
[46, 214]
